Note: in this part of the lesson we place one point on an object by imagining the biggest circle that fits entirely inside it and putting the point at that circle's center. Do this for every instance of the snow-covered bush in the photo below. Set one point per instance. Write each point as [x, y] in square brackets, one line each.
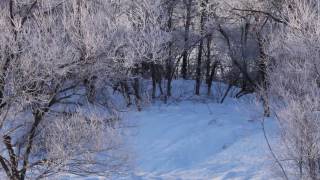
[52, 54]
[294, 85]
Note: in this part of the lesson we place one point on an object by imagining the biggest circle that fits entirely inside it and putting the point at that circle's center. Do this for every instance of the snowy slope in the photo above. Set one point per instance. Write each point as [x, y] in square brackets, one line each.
[196, 138]
[201, 140]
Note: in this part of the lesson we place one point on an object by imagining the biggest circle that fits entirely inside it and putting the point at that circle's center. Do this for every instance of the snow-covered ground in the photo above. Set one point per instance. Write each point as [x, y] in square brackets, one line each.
[196, 138]
[201, 139]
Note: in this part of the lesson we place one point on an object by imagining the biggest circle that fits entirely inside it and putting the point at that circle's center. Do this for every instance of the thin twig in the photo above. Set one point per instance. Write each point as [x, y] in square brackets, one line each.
[271, 150]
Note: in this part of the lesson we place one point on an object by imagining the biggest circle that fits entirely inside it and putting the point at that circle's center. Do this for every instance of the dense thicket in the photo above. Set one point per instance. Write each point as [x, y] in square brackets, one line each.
[58, 57]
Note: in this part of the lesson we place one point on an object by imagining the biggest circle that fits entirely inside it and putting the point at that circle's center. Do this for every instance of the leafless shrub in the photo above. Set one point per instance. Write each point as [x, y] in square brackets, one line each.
[52, 53]
[294, 85]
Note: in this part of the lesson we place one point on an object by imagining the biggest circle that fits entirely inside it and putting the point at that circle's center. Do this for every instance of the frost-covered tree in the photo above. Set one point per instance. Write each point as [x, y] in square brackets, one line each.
[50, 51]
[294, 85]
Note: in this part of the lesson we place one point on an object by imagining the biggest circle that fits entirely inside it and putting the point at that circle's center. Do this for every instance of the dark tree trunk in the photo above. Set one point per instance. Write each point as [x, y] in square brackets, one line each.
[90, 88]
[210, 79]
[169, 82]
[38, 115]
[160, 86]
[125, 92]
[5, 166]
[169, 65]
[13, 172]
[154, 80]
[226, 93]
[156, 75]
[184, 69]
[263, 76]
[210, 71]
[208, 61]
[244, 39]
[202, 23]
[313, 172]
[136, 88]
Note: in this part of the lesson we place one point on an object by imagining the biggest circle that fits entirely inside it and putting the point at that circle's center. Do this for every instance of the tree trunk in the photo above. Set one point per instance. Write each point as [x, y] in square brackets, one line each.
[202, 23]
[38, 115]
[184, 70]
[208, 62]
[160, 86]
[10, 55]
[209, 71]
[169, 65]
[13, 172]
[213, 71]
[244, 39]
[263, 76]
[90, 88]
[226, 93]
[136, 88]
[125, 92]
[154, 81]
